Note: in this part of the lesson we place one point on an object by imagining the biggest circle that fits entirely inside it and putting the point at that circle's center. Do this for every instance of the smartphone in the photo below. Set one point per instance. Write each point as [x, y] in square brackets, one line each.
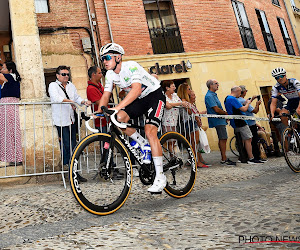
[258, 98]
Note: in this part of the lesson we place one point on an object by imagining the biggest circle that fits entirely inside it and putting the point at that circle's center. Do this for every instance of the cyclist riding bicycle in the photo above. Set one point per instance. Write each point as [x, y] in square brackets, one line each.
[290, 88]
[144, 97]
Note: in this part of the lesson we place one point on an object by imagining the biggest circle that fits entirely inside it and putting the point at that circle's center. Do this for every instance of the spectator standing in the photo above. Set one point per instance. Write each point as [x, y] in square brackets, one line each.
[214, 107]
[251, 123]
[234, 107]
[171, 112]
[186, 123]
[62, 90]
[94, 93]
[10, 131]
[197, 124]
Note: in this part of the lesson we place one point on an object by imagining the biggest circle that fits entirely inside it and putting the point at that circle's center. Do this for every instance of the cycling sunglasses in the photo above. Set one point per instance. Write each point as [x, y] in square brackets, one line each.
[277, 77]
[106, 57]
[65, 74]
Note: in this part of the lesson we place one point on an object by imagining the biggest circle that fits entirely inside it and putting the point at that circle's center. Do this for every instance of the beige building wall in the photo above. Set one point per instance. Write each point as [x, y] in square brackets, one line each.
[57, 49]
[27, 50]
[251, 68]
[294, 14]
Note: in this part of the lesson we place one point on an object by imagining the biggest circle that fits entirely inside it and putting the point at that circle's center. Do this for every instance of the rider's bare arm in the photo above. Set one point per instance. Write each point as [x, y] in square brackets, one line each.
[134, 93]
[273, 106]
[104, 100]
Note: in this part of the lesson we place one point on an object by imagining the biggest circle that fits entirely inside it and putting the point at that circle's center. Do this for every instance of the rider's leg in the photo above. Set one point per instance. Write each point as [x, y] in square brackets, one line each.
[284, 119]
[160, 180]
[131, 132]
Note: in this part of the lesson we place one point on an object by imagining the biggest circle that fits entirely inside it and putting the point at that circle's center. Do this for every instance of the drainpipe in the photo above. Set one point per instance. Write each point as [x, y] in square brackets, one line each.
[111, 38]
[108, 22]
[292, 26]
[92, 31]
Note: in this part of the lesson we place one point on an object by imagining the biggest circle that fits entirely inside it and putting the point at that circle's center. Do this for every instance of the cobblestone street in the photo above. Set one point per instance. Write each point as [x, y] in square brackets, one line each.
[228, 208]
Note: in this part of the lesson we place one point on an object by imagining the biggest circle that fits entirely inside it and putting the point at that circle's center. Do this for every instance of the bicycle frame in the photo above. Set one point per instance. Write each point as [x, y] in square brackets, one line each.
[115, 132]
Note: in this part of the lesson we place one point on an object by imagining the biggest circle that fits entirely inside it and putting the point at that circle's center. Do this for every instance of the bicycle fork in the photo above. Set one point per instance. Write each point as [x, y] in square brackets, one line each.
[107, 157]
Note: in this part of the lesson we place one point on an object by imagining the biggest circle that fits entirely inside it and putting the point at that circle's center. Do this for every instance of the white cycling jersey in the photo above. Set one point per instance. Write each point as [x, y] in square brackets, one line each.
[291, 90]
[131, 72]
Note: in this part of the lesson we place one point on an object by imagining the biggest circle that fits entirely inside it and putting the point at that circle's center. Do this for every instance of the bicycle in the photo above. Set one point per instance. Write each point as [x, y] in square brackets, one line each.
[234, 146]
[291, 144]
[104, 160]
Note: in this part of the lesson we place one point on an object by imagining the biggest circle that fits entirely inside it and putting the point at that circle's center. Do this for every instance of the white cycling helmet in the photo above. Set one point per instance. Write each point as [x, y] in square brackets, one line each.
[278, 72]
[112, 48]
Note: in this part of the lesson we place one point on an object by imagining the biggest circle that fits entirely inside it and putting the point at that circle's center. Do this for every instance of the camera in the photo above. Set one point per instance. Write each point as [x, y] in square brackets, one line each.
[258, 98]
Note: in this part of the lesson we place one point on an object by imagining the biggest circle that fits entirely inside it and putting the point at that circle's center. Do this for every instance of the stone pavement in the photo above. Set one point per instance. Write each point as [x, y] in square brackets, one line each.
[227, 206]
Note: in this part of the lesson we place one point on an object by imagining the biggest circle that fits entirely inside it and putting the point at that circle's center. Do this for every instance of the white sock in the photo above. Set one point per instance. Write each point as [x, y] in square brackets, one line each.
[139, 139]
[158, 163]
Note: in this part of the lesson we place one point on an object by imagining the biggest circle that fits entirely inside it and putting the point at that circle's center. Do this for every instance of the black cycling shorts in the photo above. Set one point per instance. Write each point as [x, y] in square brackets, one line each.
[152, 106]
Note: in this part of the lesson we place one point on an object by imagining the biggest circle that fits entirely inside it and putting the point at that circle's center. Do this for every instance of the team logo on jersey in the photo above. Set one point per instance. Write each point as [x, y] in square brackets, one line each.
[160, 110]
[133, 69]
[126, 79]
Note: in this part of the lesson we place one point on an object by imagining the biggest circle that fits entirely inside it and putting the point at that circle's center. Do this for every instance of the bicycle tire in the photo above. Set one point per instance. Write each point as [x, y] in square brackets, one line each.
[179, 164]
[291, 149]
[234, 143]
[104, 192]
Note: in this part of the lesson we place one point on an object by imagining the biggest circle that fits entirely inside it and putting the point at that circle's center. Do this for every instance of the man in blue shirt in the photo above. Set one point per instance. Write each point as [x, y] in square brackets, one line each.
[214, 107]
[233, 107]
[251, 123]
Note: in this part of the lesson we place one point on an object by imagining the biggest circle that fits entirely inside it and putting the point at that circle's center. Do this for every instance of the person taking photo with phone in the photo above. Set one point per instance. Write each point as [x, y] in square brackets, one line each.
[252, 123]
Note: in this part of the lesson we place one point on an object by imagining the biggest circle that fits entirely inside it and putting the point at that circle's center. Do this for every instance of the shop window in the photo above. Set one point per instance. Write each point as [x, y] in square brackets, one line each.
[244, 26]
[163, 28]
[286, 37]
[268, 37]
[41, 6]
[276, 2]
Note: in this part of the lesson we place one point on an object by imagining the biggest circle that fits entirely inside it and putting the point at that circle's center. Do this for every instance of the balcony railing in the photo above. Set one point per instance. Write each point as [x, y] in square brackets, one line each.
[270, 44]
[166, 40]
[247, 37]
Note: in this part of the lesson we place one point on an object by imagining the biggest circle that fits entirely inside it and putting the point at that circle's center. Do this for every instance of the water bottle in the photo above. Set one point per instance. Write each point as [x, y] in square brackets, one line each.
[137, 148]
[147, 154]
[134, 144]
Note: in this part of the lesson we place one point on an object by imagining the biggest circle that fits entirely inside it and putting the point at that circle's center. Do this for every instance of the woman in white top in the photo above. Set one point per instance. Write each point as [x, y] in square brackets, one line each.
[171, 113]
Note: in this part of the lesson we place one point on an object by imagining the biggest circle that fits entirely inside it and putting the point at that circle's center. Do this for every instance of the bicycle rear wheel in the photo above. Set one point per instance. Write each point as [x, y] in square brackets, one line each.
[105, 190]
[291, 149]
[179, 164]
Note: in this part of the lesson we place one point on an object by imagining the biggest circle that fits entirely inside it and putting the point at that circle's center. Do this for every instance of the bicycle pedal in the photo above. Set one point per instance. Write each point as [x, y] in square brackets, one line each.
[153, 193]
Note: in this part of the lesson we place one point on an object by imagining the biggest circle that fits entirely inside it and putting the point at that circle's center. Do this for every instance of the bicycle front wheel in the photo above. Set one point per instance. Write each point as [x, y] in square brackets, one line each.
[105, 190]
[291, 149]
[179, 164]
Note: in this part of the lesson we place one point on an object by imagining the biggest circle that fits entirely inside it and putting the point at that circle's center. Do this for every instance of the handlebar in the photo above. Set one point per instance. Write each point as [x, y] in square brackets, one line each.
[105, 111]
[112, 113]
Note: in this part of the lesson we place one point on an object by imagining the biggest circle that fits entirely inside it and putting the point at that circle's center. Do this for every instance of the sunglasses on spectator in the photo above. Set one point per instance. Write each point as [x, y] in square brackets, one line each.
[106, 57]
[277, 77]
[65, 74]
[216, 83]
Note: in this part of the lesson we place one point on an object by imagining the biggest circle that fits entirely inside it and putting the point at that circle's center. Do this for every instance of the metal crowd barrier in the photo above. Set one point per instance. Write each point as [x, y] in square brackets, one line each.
[39, 139]
[40, 144]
